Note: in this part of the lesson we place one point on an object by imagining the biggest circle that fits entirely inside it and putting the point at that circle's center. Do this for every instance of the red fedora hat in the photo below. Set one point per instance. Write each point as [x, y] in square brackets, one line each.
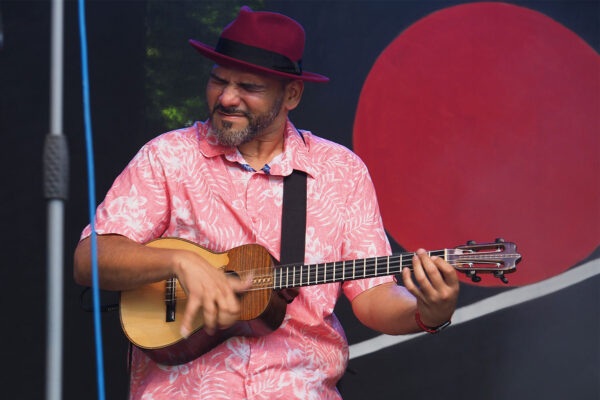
[264, 42]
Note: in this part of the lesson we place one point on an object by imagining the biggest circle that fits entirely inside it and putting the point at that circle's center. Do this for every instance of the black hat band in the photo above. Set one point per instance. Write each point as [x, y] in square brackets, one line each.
[257, 56]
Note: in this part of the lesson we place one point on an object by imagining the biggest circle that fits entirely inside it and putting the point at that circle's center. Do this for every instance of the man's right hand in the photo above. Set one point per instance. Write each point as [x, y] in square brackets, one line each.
[209, 291]
[124, 264]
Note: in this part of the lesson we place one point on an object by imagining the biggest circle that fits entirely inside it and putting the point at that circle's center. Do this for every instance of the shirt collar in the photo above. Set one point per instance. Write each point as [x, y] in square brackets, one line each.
[296, 150]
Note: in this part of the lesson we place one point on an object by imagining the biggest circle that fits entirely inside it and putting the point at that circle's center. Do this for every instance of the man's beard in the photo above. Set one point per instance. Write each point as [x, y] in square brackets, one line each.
[256, 124]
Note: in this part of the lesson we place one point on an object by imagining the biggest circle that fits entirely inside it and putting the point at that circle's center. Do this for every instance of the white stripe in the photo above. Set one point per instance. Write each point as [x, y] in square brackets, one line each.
[489, 305]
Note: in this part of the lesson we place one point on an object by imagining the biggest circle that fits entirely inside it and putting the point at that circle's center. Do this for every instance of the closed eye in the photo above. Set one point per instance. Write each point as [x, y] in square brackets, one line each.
[251, 87]
[246, 86]
[217, 79]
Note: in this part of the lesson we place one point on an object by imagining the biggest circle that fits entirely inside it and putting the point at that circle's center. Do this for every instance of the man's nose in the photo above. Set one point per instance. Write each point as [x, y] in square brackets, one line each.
[229, 96]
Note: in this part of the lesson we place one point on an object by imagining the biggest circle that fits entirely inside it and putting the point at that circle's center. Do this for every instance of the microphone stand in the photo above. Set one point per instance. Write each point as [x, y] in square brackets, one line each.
[56, 175]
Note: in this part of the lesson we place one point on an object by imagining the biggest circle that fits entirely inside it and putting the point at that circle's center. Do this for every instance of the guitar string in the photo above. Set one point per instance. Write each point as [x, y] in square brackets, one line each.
[394, 258]
[373, 262]
[368, 265]
[369, 273]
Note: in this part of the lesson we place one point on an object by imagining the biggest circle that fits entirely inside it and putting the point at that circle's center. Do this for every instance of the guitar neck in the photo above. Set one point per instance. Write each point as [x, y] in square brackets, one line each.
[290, 276]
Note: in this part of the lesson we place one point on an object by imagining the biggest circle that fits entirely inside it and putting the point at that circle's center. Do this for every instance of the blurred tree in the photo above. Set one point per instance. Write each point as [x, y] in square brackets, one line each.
[176, 74]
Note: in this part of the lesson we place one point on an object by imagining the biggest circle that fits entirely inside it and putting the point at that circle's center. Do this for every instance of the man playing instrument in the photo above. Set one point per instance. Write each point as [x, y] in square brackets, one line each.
[220, 184]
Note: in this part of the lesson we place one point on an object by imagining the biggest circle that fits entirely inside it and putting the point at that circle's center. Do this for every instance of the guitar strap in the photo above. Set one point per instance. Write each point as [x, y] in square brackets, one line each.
[293, 225]
[293, 218]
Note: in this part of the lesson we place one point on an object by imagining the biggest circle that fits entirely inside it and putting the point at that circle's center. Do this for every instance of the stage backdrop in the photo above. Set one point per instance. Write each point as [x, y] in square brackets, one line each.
[476, 120]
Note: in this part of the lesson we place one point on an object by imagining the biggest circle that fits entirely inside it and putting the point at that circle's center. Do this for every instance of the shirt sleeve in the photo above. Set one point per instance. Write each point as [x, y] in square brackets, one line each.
[364, 233]
[136, 206]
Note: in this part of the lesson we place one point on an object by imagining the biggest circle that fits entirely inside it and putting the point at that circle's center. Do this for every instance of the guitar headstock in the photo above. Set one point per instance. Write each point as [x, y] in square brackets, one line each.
[498, 258]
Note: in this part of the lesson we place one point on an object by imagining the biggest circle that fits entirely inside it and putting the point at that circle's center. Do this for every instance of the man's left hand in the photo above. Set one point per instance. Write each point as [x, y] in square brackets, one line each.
[437, 289]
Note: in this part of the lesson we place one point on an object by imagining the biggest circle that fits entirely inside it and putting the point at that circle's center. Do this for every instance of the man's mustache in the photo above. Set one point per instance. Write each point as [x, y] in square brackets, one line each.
[230, 110]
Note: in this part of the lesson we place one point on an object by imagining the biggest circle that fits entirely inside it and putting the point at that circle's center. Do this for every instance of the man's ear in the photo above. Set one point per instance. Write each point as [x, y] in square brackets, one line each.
[293, 94]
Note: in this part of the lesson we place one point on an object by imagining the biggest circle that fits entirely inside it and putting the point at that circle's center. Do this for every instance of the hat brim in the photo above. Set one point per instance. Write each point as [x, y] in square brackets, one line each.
[226, 61]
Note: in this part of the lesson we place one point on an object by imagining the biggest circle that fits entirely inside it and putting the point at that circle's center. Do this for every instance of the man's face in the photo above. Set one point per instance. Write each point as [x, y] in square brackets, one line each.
[242, 104]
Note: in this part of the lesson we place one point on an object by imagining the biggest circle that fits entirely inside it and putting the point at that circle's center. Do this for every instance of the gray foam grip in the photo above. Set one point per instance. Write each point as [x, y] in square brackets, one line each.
[56, 167]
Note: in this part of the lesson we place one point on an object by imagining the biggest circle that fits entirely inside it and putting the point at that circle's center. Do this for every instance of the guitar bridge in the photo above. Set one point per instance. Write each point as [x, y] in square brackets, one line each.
[170, 299]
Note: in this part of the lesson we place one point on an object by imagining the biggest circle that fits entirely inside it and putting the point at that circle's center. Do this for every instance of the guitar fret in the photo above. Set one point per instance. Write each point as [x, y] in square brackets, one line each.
[333, 279]
[388, 265]
[353, 268]
[375, 266]
[307, 273]
[343, 270]
[325, 273]
[280, 278]
[364, 268]
[274, 277]
[294, 276]
[287, 277]
[301, 275]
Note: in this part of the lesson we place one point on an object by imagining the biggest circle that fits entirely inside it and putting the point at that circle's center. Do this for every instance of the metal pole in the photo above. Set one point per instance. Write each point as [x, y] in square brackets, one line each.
[55, 190]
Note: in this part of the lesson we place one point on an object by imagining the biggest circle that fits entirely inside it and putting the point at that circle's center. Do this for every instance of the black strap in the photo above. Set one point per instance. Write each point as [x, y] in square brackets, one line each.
[293, 218]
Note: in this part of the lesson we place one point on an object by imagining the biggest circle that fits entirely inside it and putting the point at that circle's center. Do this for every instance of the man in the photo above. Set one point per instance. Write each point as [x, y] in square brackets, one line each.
[219, 184]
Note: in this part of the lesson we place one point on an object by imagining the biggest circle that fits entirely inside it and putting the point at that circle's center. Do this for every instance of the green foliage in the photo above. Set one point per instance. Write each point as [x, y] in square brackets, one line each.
[176, 74]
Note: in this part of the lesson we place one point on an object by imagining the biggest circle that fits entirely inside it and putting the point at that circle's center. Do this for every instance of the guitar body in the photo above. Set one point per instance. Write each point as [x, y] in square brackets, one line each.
[144, 317]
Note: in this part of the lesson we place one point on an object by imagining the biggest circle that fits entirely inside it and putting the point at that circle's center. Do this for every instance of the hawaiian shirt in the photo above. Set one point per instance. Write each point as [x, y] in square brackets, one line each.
[184, 184]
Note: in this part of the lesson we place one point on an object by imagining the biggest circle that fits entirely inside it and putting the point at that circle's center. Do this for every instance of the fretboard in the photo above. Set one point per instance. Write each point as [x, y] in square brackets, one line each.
[292, 275]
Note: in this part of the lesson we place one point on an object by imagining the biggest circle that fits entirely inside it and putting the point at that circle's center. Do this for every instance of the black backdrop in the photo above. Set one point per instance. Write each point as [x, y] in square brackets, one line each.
[546, 348]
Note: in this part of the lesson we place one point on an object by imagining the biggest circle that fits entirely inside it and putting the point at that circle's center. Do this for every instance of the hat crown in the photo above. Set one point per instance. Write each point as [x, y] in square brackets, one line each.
[267, 30]
[262, 42]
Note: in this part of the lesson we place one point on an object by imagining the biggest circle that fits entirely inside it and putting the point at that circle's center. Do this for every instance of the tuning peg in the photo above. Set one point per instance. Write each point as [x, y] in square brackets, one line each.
[471, 242]
[499, 240]
[473, 276]
[500, 275]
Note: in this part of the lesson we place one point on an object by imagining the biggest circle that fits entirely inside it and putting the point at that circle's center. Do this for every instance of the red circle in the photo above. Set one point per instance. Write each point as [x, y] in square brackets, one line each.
[482, 121]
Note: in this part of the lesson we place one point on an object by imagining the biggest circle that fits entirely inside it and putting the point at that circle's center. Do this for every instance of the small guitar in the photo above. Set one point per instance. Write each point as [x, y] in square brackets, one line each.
[151, 314]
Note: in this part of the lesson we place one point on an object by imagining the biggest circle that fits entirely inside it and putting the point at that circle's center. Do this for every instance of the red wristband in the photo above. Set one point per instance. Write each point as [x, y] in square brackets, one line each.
[428, 329]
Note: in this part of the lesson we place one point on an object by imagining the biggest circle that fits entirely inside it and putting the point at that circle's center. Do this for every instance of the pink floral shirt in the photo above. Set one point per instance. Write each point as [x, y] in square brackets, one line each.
[183, 184]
